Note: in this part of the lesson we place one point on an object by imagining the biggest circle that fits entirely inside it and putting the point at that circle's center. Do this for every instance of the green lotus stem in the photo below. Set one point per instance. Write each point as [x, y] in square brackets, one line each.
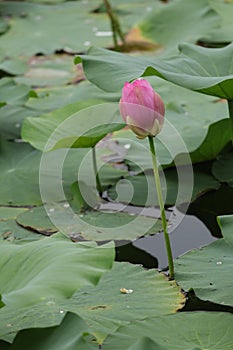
[115, 25]
[161, 206]
[114, 35]
[98, 183]
[119, 31]
[230, 108]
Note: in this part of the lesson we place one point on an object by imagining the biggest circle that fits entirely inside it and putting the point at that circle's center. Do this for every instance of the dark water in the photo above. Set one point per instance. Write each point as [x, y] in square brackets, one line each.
[151, 252]
[197, 228]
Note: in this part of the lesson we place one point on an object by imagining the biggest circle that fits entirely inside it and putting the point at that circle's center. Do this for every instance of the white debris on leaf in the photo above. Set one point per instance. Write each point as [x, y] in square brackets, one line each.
[127, 146]
[126, 291]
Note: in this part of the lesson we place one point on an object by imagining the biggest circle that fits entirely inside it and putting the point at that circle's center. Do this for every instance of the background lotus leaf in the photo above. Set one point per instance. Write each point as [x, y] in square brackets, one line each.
[197, 21]
[91, 224]
[140, 189]
[10, 231]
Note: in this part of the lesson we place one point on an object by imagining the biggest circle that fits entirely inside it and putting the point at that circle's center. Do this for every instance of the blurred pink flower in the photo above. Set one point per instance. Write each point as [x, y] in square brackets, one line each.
[142, 108]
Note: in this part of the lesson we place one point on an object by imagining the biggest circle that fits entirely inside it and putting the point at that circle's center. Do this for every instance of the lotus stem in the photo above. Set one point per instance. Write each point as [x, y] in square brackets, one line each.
[115, 25]
[98, 183]
[162, 209]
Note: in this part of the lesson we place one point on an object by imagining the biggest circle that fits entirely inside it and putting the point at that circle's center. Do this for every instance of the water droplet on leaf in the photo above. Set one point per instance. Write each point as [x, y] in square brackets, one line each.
[87, 43]
[106, 33]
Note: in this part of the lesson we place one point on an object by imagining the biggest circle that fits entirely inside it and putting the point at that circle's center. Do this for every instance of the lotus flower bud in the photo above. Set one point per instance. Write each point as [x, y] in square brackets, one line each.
[142, 108]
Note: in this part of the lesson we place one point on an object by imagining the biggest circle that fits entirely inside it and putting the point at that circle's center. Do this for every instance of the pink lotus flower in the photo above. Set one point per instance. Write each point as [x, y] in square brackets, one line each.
[142, 108]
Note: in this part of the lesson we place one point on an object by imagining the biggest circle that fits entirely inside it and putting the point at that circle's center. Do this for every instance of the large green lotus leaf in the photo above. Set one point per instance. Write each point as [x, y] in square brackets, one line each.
[53, 98]
[223, 168]
[205, 70]
[19, 174]
[91, 224]
[12, 93]
[51, 268]
[140, 189]
[11, 119]
[197, 68]
[59, 169]
[72, 26]
[38, 131]
[145, 343]
[118, 67]
[197, 118]
[46, 313]
[225, 10]
[73, 126]
[47, 28]
[106, 306]
[89, 138]
[189, 330]
[71, 334]
[162, 26]
[20, 169]
[165, 295]
[218, 136]
[209, 270]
